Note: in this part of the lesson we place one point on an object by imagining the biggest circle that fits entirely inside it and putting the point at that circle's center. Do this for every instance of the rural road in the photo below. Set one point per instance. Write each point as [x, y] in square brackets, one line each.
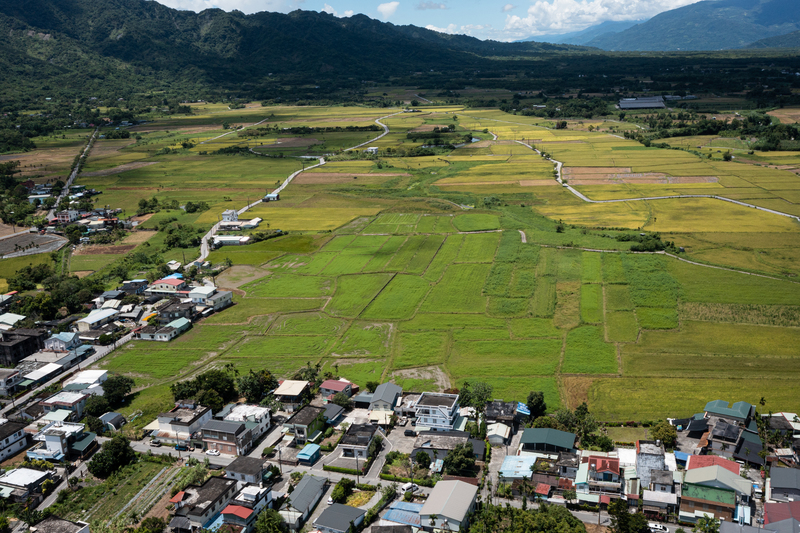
[73, 175]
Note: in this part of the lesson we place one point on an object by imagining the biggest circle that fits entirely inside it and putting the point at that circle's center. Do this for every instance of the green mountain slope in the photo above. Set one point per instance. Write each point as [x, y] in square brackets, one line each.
[789, 40]
[707, 25]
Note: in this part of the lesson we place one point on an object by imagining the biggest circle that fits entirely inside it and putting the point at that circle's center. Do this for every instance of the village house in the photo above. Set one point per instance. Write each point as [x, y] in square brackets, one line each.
[166, 287]
[292, 394]
[437, 411]
[13, 438]
[178, 424]
[256, 419]
[448, 506]
[70, 401]
[330, 387]
[247, 470]
[62, 342]
[357, 439]
[197, 506]
[339, 518]
[229, 438]
[243, 510]
[302, 500]
[306, 425]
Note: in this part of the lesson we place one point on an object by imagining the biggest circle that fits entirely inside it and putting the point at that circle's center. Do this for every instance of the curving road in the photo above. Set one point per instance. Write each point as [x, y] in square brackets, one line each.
[72, 176]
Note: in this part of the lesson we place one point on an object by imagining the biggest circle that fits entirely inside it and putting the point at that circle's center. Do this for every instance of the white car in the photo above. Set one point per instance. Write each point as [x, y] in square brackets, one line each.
[330, 500]
[657, 528]
[212, 452]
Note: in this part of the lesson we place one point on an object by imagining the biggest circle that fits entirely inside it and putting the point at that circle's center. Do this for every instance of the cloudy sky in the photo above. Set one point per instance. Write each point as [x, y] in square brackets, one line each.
[485, 19]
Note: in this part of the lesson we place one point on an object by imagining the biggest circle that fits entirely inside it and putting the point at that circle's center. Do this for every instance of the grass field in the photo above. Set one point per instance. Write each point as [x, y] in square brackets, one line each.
[416, 269]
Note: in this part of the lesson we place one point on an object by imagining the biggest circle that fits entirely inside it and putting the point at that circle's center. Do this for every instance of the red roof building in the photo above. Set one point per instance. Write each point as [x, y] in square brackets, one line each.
[330, 387]
[700, 461]
[237, 510]
[543, 489]
[775, 512]
[178, 497]
[602, 465]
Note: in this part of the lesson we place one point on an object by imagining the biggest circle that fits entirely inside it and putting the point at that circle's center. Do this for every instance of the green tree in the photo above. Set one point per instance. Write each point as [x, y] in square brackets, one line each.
[706, 525]
[342, 400]
[95, 424]
[476, 395]
[423, 459]
[536, 404]
[96, 406]
[372, 385]
[460, 460]
[623, 521]
[254, 386]
[211, 399]
[270, 521]
[152, 525]
[113, 455]
[343, 490]
[115, 388]
[665, 432]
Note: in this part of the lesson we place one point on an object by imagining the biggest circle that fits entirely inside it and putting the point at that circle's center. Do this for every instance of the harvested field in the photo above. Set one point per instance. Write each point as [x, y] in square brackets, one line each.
[425, 127]
[312, 178]
[649, 178]
[478, 183]
[117, 170]
[82, 273]
[572, 171]
[30, 243]
[138, 237]
[291, 142]
[539, 183]
[104, 250]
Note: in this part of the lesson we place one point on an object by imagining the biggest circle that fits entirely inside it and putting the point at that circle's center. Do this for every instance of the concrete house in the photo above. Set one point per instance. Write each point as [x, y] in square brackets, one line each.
[649, 457]
[96, 319]
[257, 419]
[698, 501]
[197, 506]
[9, 379]
[62, 342]
[568, 464]
[437, 411]
[70, 401]
[599, 475]
[357, 439]
[13, 438]
[307, 424]
[186, 418]
[448, 506]
[229, 438]
[739, 412]
[166, 287]
[302, 501]
[242, 512]
[337, 518]
[21, 484]
[230, 215]
[54, 524]
[292, 394]
[246, 469]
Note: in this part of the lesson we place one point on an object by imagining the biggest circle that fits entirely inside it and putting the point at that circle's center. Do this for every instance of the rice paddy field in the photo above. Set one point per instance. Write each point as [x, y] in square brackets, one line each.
[474, 263]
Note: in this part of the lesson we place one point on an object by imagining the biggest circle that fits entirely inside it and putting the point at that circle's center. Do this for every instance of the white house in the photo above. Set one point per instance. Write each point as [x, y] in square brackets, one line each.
[13, 438]
[437, 411]
[230, 215]
[62, 342]
[180, 422]
[96, 319]
[258, 417]
[200, 295]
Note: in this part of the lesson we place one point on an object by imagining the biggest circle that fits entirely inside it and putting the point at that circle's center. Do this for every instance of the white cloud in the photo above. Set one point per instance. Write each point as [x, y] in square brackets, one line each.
[450, 29]
[508, 7]
[387, 10]
[246, 6]
[329, 9]
[560, 16]
[422, 6]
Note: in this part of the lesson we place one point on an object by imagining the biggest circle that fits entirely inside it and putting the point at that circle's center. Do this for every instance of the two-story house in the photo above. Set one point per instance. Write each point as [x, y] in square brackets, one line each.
[71, 401]
[186, 418]
[331, 387]
[385, 397]
[357, 439]
[13, 438]
[133, 287]
[62, 342]
[175, 310]
[256, 418]
[292, 394]
[247, 469]
[166, 287]
[229, 438]
[307, 424]
[9, 379]
[600, 475]
[197, 505]
[437, 411]
[244, 508]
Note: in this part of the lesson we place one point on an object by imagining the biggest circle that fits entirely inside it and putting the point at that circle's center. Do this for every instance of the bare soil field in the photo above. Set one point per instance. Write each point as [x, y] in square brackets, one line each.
[138, 237]
[117, 170]
[237, 275]
[787, 115]
[292, 142]
[104, 250]
[82, 273]
[538, 183]
[654, 178]
[572, 171]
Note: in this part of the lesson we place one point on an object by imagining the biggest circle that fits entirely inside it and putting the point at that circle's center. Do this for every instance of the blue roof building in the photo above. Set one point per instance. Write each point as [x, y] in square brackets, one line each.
[309, 455]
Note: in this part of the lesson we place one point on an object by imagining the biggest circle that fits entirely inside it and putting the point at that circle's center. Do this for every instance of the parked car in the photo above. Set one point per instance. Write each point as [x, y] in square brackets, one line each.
[330, 500]
[155, 443]
[212, 452]
[181, 448]
[657, 528]
[409, 433]
[409, 487]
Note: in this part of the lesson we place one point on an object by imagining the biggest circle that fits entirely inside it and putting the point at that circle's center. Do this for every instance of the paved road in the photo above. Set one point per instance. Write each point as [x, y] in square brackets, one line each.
[73, 175]
[101, 351]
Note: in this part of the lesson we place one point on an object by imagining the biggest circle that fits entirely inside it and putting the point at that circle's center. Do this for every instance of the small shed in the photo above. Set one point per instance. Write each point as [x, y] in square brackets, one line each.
[271, 197]
[309, 455]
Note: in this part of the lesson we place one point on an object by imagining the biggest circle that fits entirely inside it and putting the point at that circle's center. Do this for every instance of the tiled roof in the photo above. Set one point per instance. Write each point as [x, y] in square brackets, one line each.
[701, 461]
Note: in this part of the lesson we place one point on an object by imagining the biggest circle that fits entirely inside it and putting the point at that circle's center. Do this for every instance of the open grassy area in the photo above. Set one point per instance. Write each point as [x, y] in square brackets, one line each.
[415, 269]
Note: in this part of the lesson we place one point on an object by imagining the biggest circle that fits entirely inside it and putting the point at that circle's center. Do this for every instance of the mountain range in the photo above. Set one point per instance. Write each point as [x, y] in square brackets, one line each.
[584, 36]
[708, 25]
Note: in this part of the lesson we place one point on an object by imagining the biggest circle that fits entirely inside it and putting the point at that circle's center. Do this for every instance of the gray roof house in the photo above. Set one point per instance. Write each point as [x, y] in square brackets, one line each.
[790, 525]
[337, 518]
[449, 504]
[302, 501]
[385, 397]
[785, 484]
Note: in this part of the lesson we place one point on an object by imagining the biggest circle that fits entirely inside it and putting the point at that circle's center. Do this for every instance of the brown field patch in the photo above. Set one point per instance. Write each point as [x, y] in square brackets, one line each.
[643, 178]
[564, 142]
[513, 182]
[310, 178]
[537, 183]
[104, 250]
[786, 115]
[119, 169]
[576, 390]
[569, 171]
[141, 219]
[237, 275]
[426, 127]
[148, 128]
[81, 273]
[138, 237]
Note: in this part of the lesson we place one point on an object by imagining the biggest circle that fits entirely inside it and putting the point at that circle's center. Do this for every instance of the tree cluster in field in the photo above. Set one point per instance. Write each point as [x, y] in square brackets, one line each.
[650, 242]
[580, 421]
[583, 108]
[263, 131]
[506, 519]
[60, 292]
[14, 205]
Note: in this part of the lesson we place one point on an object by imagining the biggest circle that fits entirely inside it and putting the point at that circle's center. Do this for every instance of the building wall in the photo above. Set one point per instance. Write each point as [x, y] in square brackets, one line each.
[13, 444]
[720, 512]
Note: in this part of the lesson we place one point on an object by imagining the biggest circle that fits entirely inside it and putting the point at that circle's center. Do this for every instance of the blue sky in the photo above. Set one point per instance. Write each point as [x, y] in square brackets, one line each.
[502, 20]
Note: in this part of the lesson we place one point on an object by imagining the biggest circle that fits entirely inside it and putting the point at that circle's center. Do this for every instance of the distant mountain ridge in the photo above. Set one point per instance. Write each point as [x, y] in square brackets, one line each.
[789, 40]
[584, 36]
[707, 25]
